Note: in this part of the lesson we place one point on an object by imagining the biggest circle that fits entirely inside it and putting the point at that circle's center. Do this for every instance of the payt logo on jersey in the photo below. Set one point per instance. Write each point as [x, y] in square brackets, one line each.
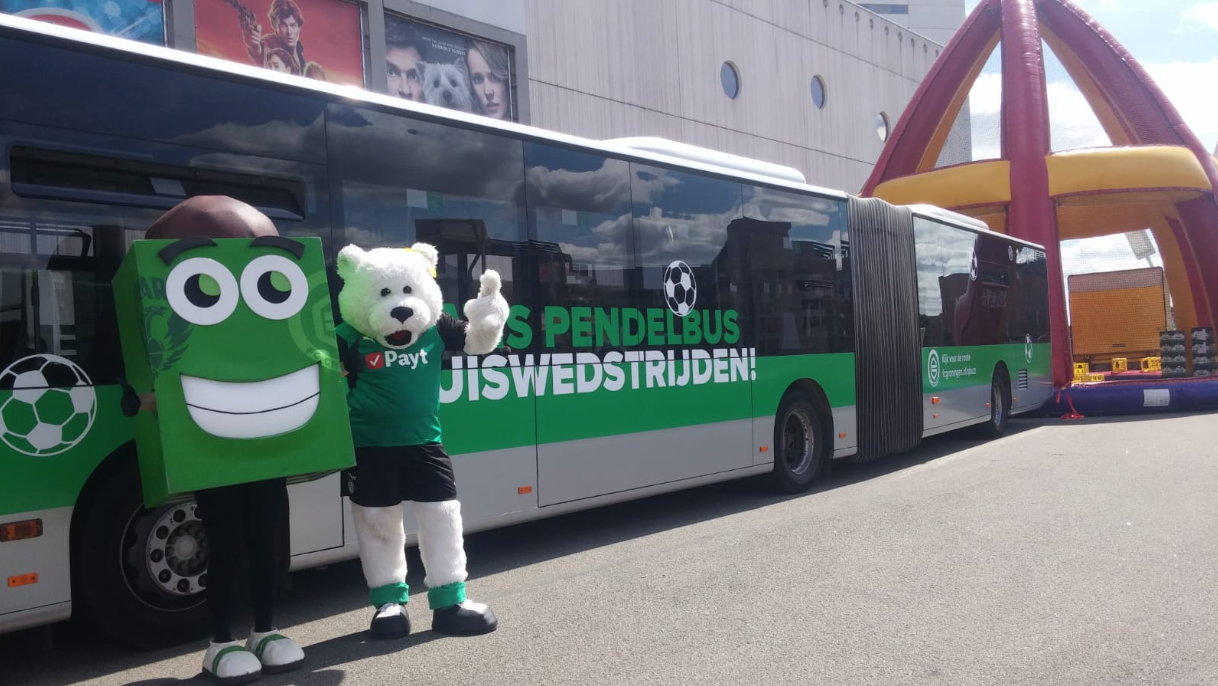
[392, 357]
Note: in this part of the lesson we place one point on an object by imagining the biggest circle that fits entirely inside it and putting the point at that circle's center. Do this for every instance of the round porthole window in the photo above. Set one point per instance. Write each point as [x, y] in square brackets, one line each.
[729, 78]
[818, 92]
[881, 126]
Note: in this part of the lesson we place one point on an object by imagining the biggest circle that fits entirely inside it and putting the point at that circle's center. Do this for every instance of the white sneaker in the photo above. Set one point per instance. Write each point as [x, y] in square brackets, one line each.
[276, 652]
[230, 663]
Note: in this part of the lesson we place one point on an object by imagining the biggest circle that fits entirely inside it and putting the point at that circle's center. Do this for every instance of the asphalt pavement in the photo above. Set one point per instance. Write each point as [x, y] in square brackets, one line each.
[1066, 553]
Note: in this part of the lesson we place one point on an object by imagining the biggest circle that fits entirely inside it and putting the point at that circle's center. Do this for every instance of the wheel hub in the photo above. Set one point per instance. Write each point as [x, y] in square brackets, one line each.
[166, 555]
[798, 445]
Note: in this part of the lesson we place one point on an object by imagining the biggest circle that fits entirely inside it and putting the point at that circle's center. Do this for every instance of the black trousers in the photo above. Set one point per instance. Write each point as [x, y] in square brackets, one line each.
[250, 519]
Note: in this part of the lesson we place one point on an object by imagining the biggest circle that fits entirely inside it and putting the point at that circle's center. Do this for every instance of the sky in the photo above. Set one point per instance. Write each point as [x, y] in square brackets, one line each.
[1175, 41]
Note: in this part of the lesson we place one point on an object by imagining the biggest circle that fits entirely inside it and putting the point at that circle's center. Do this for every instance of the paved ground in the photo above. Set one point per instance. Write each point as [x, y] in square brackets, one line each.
[1063, 554]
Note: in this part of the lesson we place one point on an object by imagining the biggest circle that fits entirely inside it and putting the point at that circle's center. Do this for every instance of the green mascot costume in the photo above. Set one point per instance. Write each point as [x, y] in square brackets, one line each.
[228, 345]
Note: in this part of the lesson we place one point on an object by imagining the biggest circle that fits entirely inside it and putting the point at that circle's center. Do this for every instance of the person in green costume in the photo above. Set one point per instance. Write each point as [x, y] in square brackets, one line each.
[228, 349]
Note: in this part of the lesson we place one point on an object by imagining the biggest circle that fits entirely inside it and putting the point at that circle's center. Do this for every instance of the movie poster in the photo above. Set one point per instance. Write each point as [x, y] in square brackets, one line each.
[141, 20]
[429, 64]
[319, 39]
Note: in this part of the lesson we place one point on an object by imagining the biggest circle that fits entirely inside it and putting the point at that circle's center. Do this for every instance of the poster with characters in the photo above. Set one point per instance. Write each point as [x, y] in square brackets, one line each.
[318, 39]
[141, 20]
[429, 64]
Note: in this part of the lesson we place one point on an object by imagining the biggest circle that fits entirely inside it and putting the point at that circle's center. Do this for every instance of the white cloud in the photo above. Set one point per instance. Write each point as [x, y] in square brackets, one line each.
[1203, 15]
[1187, 86]
[1190, 88]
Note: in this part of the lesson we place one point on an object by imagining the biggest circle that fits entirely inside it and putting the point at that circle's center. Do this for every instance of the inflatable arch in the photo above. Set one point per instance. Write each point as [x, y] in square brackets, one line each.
[1157, 175]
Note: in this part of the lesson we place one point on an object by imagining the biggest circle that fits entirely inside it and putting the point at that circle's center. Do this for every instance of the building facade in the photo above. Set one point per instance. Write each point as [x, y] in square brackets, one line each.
[935, 19]
[817, 85]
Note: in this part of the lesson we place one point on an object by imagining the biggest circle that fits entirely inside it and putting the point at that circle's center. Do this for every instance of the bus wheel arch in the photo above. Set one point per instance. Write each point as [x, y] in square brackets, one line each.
[1000, 402]
[114, 576]
[803, 430]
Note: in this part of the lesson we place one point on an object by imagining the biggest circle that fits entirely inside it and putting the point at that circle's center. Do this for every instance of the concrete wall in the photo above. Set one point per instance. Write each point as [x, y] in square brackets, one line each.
[935, 19]
[640, 67]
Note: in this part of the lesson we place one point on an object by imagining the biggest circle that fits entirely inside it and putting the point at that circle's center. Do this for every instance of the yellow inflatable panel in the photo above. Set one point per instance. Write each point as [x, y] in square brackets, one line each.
[976, 183]
[1117, 169]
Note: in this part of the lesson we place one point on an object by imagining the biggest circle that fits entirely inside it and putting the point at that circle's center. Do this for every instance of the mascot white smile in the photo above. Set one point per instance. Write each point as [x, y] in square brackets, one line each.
[392, 341]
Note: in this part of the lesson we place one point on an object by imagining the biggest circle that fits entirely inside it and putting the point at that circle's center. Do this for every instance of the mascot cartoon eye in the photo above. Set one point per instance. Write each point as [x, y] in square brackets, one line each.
[274, 287]
[201, 291]
[385, 292]
[406, 290]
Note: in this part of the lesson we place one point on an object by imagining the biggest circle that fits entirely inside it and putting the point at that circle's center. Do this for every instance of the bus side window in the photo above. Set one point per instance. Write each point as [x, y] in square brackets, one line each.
[685, 221]
[580, 230]
[55, 295]
[404, 181]
[944, 257]
[799, 258]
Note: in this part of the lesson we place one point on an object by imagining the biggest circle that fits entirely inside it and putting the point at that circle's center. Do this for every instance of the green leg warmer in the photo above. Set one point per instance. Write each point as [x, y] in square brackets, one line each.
[393, 593]
[446, 596]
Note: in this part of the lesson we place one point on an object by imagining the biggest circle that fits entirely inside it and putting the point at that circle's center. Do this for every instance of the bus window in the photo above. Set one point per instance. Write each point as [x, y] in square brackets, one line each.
[170, 105]
[1029, 306]
[404, 180]
[681, 222]
[798, 256]
[74, 207]
[579, 219]
[945, 264]
[55, 297]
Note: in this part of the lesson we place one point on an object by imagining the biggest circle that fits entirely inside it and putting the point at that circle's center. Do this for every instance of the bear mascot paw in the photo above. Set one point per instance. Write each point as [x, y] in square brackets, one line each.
[392, 340]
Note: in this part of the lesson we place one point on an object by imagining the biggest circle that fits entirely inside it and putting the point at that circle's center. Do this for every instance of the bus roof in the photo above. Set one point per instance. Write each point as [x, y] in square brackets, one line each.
[644, 149]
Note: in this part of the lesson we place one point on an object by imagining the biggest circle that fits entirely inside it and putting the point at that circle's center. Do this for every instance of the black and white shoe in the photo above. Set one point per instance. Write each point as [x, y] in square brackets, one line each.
[391, 621]
[466, 618]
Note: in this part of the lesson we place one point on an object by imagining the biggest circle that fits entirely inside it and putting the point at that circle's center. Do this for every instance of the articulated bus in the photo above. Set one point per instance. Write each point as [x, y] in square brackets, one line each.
[679, 317]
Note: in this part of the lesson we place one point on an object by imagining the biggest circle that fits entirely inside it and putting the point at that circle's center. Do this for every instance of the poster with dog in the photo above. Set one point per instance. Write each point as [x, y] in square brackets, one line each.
[318, 39]
[141, 20]
[429, 64]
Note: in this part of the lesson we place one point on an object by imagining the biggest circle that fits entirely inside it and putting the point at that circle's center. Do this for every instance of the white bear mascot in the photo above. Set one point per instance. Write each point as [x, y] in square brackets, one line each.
[392, 341]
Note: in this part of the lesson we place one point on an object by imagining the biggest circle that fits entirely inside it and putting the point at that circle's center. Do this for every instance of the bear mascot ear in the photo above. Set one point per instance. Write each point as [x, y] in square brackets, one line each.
[428, 251]
[349, 259]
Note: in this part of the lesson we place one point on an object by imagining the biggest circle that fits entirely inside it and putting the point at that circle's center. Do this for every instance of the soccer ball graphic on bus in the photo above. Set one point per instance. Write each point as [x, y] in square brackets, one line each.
[51, 408]
[680, 289]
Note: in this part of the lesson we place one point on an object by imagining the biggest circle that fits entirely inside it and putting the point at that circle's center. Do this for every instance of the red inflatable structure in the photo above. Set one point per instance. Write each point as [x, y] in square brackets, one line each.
[1157, 175]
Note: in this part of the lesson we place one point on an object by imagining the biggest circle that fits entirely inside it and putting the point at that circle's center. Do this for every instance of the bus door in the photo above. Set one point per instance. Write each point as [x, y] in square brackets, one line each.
[638, 330]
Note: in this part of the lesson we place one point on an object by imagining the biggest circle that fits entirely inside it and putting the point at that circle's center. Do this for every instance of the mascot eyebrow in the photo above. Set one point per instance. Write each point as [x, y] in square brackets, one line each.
[171, 252]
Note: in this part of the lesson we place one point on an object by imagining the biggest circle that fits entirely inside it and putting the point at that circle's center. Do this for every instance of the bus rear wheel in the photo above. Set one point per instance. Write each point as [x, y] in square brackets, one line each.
[1000, 407]
[138, 574]
[800, 444]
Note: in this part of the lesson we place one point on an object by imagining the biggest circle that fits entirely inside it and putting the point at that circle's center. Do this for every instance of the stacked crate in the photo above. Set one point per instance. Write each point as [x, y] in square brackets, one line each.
[1205, 354]
[1173, 353]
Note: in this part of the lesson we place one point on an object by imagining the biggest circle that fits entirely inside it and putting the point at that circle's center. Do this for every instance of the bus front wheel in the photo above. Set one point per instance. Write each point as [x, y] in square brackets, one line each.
[138, 574]
[800, 444]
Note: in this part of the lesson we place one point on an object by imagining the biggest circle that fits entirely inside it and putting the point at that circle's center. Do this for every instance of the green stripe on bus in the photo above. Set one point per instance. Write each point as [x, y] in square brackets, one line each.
[948, 368]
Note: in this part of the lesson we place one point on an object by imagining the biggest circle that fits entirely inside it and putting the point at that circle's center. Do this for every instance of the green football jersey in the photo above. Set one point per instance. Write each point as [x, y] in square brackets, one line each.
[395, 399]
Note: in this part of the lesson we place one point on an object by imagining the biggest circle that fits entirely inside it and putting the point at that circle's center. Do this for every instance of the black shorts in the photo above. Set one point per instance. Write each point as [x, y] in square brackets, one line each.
[385, 476]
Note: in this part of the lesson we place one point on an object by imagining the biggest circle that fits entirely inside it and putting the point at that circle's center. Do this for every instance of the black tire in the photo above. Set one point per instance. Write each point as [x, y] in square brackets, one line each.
[113, 587]
[801, 446]
[1000, 407]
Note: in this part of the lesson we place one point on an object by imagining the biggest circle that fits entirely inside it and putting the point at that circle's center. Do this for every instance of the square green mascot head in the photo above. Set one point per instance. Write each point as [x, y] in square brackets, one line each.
[230, 325]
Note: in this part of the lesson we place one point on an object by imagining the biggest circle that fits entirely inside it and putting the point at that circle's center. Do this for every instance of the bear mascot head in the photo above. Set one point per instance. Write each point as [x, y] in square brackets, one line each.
[390, 294]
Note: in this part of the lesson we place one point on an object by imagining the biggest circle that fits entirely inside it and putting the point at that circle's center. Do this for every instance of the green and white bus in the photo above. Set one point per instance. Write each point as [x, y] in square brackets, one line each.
[679, 317]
